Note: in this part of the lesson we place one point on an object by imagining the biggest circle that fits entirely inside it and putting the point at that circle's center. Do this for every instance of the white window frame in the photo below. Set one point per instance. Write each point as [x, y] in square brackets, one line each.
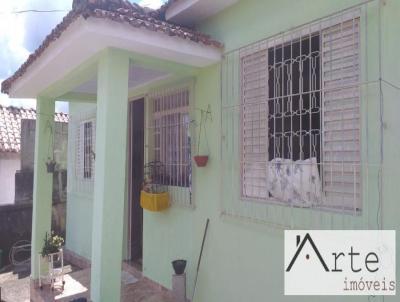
[179, 187]
[293, 35]
[80, 153]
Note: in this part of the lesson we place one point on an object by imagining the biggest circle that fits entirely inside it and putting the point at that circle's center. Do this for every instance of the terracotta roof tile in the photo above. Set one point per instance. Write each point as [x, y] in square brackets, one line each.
[10, 126]
[119, 11]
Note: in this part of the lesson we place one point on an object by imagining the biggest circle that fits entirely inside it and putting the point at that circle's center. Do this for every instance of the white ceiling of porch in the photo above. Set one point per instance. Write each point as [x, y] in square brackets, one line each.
[137, 76]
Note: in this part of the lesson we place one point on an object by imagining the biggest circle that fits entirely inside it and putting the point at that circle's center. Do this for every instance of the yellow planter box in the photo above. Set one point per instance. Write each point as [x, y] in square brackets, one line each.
[154, 202]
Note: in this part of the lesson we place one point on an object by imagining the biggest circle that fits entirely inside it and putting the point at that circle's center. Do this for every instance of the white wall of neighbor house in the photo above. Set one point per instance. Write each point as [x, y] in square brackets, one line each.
[9, 164]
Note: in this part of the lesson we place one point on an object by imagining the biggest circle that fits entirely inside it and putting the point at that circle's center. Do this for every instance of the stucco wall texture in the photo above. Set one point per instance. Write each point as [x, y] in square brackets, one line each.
[9, 164]
[243, 260]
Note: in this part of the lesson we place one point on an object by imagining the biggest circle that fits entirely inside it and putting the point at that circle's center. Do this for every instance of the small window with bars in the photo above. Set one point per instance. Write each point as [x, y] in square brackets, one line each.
[85, 147]
[170, 140]
[300, 103]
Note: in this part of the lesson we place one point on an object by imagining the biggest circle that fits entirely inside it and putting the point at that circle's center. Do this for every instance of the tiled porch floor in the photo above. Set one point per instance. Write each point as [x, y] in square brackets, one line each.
[77, 285]
[135, 288]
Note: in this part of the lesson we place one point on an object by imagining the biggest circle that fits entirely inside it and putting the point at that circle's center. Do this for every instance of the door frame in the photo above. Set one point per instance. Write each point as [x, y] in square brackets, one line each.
[129, 188]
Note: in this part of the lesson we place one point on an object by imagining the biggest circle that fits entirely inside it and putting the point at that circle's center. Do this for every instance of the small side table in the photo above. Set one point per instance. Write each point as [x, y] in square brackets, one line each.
[55, 272]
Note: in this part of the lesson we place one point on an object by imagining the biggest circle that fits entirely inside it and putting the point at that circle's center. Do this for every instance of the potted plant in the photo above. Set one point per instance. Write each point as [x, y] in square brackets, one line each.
[51, 165]
[154, 195]
[52, 254]
[202, 159]
[52, 244]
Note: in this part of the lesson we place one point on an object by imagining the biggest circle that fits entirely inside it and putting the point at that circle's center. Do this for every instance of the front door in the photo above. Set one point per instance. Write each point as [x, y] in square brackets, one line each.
[135, 177]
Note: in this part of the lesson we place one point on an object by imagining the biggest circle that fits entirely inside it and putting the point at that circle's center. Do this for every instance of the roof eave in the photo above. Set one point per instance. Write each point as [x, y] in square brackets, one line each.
[205, 51]
[84, 38]
[191, 12]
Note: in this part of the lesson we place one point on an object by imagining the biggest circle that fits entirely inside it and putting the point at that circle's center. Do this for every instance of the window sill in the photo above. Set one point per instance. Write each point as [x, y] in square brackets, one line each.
[324, 208]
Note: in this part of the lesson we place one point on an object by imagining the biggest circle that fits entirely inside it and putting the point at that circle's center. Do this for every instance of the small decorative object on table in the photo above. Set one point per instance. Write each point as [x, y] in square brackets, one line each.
[154, 195]
[52, 254]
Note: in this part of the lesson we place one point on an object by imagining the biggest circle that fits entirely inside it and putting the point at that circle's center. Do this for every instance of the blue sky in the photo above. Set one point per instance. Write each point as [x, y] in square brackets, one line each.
[21, 34]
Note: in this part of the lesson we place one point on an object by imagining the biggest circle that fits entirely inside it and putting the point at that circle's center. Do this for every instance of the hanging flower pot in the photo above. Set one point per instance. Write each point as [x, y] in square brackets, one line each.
[154, 196]
[201, 160]
[154, 202]
[51, 165]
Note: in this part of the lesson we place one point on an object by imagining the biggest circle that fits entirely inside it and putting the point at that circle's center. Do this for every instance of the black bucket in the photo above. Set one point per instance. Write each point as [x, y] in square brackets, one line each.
[179, 266]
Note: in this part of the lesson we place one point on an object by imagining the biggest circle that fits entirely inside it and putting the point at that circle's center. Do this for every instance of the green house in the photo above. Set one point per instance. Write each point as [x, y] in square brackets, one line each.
[295, 103]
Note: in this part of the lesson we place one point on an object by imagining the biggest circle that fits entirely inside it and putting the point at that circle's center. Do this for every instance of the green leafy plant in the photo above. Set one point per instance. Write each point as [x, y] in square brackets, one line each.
[52, 244]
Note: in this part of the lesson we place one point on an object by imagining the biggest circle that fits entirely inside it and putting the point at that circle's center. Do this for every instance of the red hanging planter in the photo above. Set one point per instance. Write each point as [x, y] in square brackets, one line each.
[201, 160]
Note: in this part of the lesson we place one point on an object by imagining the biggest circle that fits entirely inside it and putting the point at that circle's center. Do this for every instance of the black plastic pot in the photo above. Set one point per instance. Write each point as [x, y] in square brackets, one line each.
[179, 266]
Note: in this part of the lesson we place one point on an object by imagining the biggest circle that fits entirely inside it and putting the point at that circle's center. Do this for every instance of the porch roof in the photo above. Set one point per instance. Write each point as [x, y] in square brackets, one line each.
[126, 13]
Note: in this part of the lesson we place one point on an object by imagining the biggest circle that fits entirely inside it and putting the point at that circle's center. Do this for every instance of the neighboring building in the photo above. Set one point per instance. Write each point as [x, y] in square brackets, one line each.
[10, 160]
[9, 163]
[17, 138]
[297, 102]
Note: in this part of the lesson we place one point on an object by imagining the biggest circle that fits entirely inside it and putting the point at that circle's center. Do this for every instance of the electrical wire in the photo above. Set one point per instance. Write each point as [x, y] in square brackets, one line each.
[18, 12]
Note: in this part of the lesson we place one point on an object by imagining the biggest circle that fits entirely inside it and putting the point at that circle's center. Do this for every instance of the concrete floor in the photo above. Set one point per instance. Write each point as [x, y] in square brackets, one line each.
[15, 283]
[135, 288]
[14, 286]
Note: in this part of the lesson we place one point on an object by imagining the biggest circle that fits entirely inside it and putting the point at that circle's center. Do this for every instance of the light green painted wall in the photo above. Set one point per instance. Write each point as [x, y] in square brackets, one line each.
[79, 206]
[391, 98]
[43, 182]
[253, 20]
[242, 260]
[109, 185]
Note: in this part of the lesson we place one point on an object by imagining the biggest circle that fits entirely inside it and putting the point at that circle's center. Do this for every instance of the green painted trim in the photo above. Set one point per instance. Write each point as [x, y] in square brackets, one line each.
[79, 97]
[110, 177]
[171, 82]
[42, 180]
[161, 64]
[88, 70]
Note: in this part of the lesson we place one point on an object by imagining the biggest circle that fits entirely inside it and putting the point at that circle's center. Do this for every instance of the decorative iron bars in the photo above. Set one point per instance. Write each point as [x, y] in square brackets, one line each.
[291, 121]
[169, 142]
[82, 149]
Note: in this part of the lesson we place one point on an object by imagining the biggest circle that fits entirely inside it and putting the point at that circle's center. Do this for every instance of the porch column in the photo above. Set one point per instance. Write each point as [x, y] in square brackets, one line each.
[109, 183]
[42, 181]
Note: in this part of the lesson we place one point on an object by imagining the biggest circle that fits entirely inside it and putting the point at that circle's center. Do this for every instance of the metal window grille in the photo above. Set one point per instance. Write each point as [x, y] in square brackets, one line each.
[170, 141]
[88, 149]
[300, 116]
[85, 150]
[83, 127]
